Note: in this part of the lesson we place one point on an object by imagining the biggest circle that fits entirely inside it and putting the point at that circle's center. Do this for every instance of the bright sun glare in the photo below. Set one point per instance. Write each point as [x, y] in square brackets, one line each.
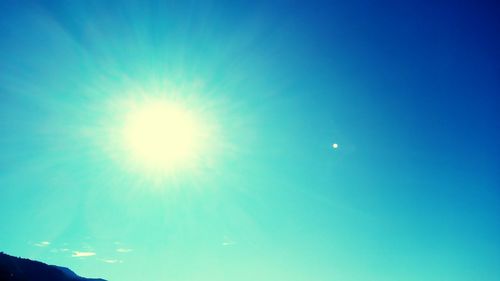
[163, 136]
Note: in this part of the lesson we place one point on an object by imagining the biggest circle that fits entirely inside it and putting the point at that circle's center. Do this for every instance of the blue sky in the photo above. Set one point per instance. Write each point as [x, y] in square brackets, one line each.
[408, 89]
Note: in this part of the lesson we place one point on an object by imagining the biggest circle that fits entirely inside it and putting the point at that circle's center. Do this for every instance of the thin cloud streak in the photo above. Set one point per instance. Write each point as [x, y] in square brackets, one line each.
[111, 261]
[42, 244]
[78, 254]
[123, 250]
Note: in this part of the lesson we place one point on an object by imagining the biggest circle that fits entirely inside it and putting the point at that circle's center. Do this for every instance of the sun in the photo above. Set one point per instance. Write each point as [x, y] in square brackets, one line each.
[162, 135]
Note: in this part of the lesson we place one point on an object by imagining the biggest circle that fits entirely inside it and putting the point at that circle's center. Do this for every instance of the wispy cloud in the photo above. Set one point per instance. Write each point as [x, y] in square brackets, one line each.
[228, 241]
[78, 254]
[111, 261]
[42, 244]
[123, 250]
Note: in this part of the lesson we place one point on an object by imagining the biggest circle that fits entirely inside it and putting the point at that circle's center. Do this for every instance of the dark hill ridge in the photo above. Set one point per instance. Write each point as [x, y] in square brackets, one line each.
[19, 269]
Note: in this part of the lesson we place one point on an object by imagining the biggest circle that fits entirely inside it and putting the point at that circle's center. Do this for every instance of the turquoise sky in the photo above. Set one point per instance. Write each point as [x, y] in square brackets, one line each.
[409, 90]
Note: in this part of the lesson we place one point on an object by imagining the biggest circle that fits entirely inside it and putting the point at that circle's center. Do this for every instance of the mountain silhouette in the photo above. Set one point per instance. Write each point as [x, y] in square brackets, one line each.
[19, 269]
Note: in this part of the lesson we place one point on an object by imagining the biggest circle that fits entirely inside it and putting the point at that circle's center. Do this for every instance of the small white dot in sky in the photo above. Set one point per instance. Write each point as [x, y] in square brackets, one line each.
[335, 146]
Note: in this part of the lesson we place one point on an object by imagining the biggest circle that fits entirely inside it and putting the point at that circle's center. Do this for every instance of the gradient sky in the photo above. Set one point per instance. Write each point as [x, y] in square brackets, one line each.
[410, 90]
